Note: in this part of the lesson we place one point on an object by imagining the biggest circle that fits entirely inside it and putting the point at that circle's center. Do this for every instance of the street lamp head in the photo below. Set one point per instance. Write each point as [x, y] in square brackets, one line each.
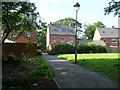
[77, 5]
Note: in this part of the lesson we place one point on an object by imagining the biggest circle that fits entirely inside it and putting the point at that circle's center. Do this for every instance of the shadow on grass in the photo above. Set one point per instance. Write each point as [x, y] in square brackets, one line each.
[105, 66]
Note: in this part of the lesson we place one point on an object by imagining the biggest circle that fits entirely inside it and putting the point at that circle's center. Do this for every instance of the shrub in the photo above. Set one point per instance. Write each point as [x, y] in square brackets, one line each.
[91, 48]
[39, 53]
[11, 59]
[62, 49]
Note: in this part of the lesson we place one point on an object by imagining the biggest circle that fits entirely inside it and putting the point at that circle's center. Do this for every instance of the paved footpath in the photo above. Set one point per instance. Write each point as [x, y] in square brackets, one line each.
[69, 75]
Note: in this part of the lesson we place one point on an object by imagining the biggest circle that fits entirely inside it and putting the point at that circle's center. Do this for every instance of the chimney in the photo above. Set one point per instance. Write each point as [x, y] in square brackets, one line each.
[50, 22]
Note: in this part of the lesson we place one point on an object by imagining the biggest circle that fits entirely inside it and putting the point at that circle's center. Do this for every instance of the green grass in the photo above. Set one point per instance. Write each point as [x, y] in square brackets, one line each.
[106, 64]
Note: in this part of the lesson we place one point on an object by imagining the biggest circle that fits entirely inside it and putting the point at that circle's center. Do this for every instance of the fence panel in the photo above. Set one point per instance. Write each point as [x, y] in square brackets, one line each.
[19, 49]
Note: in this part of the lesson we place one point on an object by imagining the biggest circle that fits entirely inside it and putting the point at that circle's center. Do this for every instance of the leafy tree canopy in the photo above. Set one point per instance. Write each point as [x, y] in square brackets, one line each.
[90, 29]
[18, 16]
[68, 21]
[113, 6]
[41, 36]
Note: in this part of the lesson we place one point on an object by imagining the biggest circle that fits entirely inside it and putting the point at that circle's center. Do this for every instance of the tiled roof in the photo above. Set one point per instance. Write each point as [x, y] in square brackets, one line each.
[98, 42]
[61, 29]
[108, 32]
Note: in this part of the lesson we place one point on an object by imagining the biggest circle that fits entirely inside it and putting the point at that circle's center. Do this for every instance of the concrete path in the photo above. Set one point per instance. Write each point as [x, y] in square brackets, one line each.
[69, 75]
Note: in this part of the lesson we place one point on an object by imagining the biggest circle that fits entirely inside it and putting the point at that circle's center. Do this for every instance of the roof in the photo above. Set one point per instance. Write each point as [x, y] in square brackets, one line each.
[108, 32]
[84, 41]
[98, 42]
[8, 41]
[61, 29]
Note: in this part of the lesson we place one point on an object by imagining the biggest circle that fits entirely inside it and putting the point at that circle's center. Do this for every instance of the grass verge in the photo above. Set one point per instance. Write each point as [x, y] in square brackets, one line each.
[106, 64]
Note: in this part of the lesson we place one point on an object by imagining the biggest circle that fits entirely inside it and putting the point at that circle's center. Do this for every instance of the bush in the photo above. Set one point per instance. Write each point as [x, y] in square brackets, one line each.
[81, 48]
[11, 59]
[62, 49]
[39, 53]
[91, 48]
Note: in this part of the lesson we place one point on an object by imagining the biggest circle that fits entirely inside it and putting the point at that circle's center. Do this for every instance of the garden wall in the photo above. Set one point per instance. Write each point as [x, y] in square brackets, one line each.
[113, 49]
[19, 49]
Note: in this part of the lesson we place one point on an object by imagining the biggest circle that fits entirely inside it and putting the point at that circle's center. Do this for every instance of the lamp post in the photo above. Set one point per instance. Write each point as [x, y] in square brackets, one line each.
[77, 5]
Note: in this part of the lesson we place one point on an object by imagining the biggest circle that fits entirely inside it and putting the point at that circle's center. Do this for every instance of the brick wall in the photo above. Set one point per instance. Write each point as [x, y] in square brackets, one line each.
[18, 49]
[23, 38]
[109, 42]
[58, 38]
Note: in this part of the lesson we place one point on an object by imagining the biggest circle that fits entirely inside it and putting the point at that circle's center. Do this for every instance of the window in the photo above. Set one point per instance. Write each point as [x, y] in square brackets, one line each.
[114, 40]
[28, 34]
[54, 39]
[70, 39]
[105, 40]
[62, 39]
[14, 34]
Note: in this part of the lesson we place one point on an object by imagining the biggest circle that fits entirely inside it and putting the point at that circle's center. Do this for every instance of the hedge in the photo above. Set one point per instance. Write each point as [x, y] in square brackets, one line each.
[81, 48]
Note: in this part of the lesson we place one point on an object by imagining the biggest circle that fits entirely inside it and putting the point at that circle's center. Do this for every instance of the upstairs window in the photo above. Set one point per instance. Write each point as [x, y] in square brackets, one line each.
[54, 39]
[114, 40]
[105, 40]
[62, 39]
[70, 39]
[14, 34]
[28, 34]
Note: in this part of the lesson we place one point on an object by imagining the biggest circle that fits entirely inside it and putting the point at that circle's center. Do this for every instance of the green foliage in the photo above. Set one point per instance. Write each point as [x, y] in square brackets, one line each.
[113, 6]
[39, 71]
[90, 29]
[62, 49]
[18, 17]
[39, 53]
[81, 48]
[91, 48]
[11, 59]
[28, 72]
[68, 21]
[41, 36]
[30, 44]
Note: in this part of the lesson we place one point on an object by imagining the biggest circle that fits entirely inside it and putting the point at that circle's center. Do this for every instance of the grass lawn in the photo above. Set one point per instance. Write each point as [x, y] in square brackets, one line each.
[28, 73]
[106, 63]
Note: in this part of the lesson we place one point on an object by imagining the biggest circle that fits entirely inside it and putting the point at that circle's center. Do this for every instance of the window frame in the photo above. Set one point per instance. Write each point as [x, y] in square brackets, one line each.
[70, 39]
[28, 34]
[113, 40]
[62, 39]
[14, 34]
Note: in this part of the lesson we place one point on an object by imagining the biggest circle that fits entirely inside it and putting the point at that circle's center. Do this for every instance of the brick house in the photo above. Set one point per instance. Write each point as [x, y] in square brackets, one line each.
[59, 34]
[23, 38]
[18, 45]
[108, 35]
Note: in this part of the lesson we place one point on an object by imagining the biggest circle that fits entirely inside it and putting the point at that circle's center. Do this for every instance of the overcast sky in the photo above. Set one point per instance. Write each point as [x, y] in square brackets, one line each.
[90, 11]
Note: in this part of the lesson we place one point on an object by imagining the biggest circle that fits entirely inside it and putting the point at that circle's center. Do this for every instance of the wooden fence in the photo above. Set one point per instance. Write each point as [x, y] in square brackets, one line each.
[113, 49]
[19, 49]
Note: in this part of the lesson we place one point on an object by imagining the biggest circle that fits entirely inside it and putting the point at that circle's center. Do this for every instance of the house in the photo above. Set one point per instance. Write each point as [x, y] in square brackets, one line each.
[25, 37]
[59, 34]
[18, 44]
[107, 35]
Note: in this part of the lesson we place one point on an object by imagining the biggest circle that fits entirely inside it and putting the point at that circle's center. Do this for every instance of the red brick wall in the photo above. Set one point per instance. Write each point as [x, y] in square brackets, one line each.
[18, 49]
[58, 39]
[23, 38]
[109, 42]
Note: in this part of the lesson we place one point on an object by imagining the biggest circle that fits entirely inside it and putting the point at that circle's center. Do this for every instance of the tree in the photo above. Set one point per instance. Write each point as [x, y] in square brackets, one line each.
[41, 36]
[68, 21]
[90, 29]
[18, 17]
[113, 6]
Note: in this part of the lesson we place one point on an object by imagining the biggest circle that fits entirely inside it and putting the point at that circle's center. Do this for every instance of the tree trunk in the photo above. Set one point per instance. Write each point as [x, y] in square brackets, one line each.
[5, 35]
